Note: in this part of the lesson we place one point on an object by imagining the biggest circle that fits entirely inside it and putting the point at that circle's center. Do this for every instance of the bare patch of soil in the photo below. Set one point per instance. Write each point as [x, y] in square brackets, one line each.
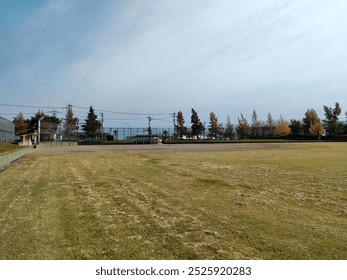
[157, 148]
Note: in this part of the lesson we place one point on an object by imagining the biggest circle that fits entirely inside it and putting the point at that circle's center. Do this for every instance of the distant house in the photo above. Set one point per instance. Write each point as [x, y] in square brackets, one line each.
[7, 130]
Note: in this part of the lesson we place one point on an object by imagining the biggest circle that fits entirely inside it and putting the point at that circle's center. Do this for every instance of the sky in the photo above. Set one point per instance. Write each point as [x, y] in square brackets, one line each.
[158, 57]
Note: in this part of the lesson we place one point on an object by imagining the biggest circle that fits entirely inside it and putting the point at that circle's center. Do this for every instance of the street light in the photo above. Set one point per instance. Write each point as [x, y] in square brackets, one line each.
[39, 129]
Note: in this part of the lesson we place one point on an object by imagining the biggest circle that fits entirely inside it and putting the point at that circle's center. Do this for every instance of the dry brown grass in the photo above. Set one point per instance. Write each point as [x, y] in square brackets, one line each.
[283, 203]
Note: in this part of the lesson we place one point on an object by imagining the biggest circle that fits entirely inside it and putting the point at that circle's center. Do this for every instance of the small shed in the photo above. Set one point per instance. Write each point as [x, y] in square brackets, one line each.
[28, 139]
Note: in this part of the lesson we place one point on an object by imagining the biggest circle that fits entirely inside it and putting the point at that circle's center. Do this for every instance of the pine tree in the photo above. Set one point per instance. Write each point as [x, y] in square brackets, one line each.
[181, 129]
[91, 126]
[70, 123]
[295, 128]
[196, 125]
[33, 122]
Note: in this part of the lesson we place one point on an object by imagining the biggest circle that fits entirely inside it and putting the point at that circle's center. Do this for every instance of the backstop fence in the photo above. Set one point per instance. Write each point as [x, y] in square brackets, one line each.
[53, 132]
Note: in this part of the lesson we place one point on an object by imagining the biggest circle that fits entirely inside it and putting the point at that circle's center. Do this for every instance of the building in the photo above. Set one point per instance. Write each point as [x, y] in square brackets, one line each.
[28, 139]
[7, 130]
[145, 139]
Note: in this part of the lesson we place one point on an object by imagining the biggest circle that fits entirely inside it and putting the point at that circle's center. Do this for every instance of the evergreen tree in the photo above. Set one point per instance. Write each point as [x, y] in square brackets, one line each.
[91, 126]
[181, 129]
[229, 129]
[332, 118]
[196, 125]
[20, 124]
[49, 127]
[32, 124]
[295, 128]
[70, 123]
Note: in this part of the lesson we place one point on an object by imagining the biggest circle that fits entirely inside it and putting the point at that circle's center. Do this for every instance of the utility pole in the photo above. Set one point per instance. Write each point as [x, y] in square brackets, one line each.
[149, 129]
[102, 125]
[174, 121]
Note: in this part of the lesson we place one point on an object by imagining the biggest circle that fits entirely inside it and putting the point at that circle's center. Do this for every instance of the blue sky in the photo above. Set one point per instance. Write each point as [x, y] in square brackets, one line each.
[162, 56]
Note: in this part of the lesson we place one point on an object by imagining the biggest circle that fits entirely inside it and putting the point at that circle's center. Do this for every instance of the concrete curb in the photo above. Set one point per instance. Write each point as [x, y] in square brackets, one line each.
[11, 157]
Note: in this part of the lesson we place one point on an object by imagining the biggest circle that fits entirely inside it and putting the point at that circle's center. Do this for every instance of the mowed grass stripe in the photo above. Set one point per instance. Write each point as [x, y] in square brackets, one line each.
[263, 204]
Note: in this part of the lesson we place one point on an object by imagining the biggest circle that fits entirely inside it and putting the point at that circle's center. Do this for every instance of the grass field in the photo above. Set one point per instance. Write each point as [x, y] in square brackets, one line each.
[284, 203]
[9, 147]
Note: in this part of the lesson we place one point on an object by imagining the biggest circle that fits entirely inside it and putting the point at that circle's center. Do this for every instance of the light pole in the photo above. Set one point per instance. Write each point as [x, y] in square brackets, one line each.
[39, 129]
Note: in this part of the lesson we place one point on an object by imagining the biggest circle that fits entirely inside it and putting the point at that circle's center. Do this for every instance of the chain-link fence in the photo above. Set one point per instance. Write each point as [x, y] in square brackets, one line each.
[57, 132]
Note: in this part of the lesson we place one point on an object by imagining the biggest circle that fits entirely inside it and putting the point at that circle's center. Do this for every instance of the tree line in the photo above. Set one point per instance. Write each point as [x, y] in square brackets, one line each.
[309, 127]
[49, 124]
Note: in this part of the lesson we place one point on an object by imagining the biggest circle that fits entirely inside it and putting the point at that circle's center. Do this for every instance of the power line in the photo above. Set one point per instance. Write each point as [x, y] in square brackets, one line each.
[32, 106]
[124, 113]
[95, 109]
[132, 119]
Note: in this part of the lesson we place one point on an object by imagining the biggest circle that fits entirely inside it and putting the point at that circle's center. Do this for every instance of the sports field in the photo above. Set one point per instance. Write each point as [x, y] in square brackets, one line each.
[227, 201]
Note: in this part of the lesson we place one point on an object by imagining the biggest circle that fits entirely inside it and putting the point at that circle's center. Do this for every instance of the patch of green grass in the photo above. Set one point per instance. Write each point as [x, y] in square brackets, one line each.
[8, 147]
[287, 203]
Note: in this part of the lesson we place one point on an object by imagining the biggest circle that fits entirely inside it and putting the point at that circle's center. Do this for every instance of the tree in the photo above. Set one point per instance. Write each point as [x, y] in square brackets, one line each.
[243, 128]
[332, 118]
[20, 124]
[49, 127]
[316, 129]
[270, 124]
[32, 124]
[229, 129]
[295, 128]
[311, 117]
[91, 126]
[215, 129]
[255, 124]
[181, 129]
[70, 123]
[197, 126]
[282, 127]
[165, 135]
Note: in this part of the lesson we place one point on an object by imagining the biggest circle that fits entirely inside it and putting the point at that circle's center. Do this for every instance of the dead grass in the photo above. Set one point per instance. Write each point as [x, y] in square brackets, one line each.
[288, 203]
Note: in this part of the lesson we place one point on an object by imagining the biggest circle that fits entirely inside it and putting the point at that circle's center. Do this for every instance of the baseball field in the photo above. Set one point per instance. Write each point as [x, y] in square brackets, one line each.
[222, 201]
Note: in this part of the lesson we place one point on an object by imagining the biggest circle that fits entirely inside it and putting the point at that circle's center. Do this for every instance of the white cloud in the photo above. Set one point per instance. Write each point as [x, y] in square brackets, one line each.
[230, 56]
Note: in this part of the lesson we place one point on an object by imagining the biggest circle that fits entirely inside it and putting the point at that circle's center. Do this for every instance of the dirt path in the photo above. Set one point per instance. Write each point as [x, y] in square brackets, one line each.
[157, 148]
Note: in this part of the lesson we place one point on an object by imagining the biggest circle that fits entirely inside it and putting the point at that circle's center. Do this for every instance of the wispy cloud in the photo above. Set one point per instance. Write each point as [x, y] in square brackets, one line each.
[227, 56]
